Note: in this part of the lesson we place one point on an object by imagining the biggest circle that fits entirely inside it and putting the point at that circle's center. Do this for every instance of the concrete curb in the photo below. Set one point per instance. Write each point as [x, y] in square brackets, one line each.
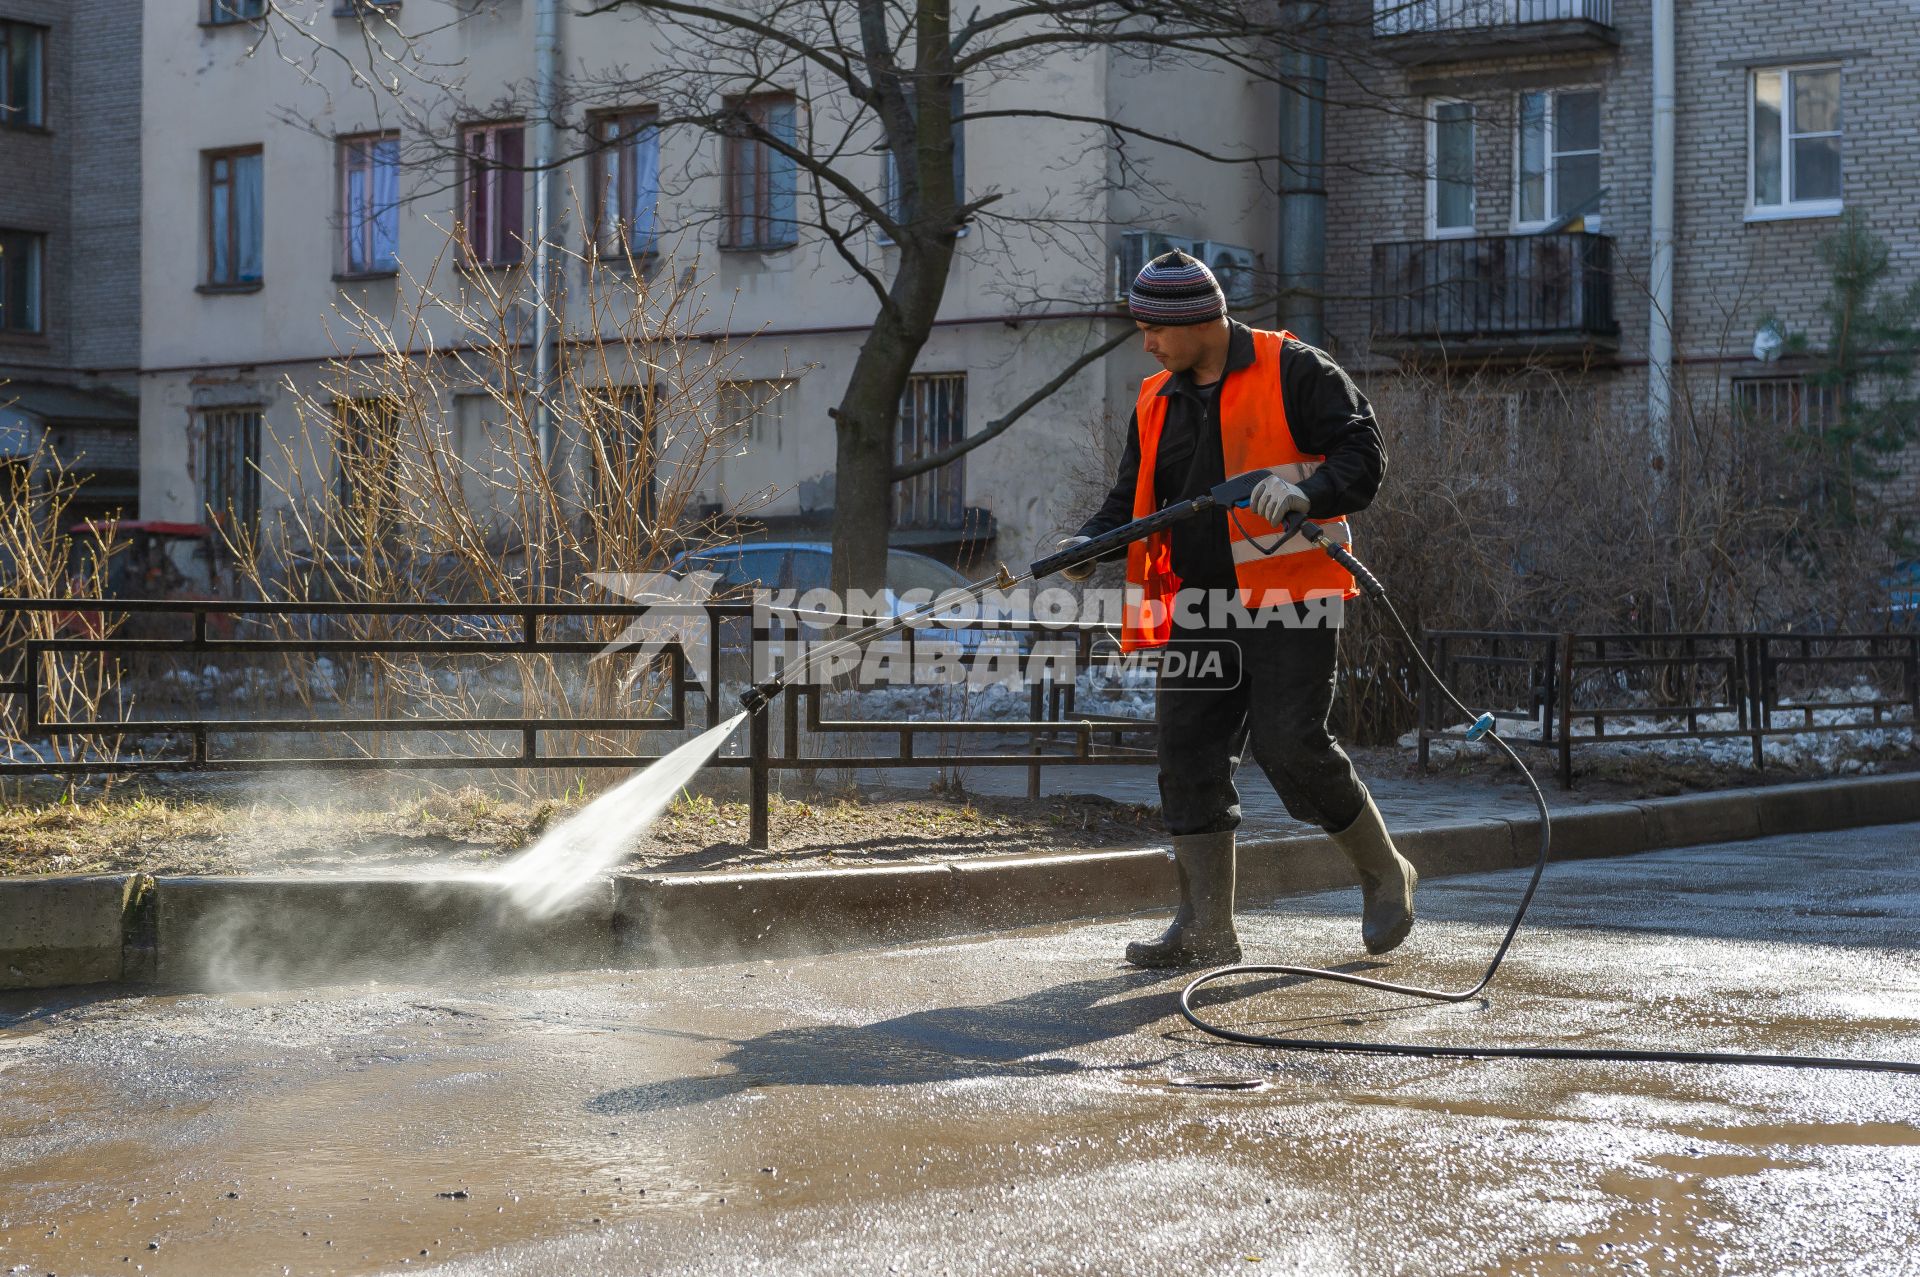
[225, 933]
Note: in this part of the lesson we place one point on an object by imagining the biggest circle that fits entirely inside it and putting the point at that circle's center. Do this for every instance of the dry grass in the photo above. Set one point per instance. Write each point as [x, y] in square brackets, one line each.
[471, 827]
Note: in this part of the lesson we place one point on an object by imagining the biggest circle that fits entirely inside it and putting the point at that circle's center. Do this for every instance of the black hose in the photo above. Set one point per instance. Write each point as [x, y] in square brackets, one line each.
[1371, 584]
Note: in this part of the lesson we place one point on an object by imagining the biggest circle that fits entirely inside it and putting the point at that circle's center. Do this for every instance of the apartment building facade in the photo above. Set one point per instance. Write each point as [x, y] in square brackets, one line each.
[70, 242]
[279, 204]
[1504, 213]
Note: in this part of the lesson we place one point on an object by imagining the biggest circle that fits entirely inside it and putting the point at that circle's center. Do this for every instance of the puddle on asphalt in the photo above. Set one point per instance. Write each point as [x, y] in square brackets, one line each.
[1669, 1222]
[1869, 1134]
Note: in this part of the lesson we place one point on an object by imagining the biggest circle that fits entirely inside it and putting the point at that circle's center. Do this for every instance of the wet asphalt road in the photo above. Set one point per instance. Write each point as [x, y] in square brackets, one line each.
[1025, 1104]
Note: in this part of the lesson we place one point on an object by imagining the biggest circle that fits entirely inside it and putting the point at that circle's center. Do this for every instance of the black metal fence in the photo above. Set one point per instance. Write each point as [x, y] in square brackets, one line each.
[1565, 690]
[1560, 690]
[1055, 731]
[1494, 286]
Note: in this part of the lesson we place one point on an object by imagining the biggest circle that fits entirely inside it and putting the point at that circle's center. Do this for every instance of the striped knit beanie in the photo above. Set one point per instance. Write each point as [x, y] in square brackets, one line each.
[1174, 288]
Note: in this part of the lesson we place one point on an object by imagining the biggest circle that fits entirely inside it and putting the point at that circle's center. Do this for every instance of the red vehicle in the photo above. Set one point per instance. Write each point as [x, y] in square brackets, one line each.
[152, 559]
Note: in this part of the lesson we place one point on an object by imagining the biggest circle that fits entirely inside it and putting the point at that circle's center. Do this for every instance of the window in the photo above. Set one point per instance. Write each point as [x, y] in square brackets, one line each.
[1559, 155]
[229, 470]
[1450, 169]
[495, 193]
[933, 417]
[625, 176]
[896, 207]
[761, 182]
[370, 203]
[233, 218]
[1776, 421]
[366, 443]
[619, 423]
[20, 270]
[1795, 141]
[23, 51]
[221, 12]
[755, 408]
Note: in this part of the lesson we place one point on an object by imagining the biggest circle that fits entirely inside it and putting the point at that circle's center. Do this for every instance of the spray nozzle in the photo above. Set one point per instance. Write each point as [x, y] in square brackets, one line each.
[755, 698]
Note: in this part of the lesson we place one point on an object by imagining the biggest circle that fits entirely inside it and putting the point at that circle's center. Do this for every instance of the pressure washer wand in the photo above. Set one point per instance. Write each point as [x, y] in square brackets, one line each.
[1233, 492]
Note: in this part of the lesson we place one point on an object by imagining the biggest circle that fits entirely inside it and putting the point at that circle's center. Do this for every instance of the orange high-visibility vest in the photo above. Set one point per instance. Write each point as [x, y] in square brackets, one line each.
[1253, 436]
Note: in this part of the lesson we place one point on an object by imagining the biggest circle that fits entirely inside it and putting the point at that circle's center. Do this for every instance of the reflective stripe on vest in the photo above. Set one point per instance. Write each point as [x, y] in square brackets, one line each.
[1253, 436]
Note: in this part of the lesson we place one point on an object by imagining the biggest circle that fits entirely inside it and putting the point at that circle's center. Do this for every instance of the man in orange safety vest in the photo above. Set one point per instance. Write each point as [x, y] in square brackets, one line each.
[1246, 622]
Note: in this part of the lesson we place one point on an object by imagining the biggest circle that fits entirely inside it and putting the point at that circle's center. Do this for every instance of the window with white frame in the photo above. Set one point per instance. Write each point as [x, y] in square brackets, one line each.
[625, 179]
[22, 75]
[370, 203]
[1557, 154]
[20, 269]
[1795, 140]
[1450, 208]
[494, 193]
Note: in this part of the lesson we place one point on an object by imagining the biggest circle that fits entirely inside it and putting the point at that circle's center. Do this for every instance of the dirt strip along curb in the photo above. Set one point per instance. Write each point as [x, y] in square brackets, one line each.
[263, 932]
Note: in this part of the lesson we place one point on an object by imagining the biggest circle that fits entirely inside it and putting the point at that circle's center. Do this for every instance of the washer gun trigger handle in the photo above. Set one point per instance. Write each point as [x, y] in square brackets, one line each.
[1237, 493]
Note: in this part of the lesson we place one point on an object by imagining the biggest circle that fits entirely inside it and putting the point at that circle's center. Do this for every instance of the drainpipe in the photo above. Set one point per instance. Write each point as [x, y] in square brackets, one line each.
[546, 82]
[1303, 193]
[1660, 319]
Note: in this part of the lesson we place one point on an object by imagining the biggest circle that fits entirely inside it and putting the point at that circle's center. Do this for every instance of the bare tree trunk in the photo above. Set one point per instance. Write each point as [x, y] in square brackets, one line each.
[869, 415]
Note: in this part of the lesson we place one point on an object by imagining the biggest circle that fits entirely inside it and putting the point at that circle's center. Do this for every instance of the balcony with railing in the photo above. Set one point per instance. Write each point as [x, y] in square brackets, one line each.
[1426, 31]
[1495, 295]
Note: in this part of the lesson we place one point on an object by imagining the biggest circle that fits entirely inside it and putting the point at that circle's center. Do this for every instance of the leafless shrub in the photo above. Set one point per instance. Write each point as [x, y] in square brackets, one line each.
[41, 558]
[454, 477]
[1524, 500]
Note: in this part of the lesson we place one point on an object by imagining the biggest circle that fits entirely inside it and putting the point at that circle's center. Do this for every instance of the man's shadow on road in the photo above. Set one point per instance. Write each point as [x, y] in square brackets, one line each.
[1016, 1037]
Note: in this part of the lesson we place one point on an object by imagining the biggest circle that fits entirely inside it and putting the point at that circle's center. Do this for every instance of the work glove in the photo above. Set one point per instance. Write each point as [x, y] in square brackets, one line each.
[1274, 499]
[1079, 571]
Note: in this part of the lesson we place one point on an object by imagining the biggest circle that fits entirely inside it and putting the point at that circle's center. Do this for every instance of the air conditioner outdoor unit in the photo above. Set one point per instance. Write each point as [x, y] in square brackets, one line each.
[1232, 265]
[1137, 248]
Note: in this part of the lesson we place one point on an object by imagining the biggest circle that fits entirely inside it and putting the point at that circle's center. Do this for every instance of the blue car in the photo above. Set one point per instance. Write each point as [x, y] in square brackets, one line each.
[800, 566]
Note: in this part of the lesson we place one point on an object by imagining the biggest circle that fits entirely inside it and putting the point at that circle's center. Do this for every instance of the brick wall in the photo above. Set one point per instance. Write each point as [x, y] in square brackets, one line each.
[78, 182]
[1730, 271]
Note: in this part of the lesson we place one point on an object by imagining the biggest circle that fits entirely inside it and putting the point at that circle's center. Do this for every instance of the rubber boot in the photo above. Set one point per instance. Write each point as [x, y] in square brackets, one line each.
[1202, 930]
[1386, 879]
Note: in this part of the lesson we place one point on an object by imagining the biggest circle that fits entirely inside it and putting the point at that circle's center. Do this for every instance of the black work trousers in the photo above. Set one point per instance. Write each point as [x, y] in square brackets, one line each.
[1223, 689]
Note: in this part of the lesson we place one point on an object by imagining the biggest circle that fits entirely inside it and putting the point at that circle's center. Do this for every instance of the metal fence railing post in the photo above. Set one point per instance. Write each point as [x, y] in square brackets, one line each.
[759, 798]
[1566, 711]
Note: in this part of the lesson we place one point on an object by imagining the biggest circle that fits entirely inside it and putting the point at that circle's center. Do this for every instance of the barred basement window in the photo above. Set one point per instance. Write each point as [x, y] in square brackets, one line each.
[366, 442]
[230, 470]
[933, 417]
[620, 428]
[1769, 412]
[755, 408]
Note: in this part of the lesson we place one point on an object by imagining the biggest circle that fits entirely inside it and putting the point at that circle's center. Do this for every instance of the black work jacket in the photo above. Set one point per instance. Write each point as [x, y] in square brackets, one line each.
[1326, 413]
